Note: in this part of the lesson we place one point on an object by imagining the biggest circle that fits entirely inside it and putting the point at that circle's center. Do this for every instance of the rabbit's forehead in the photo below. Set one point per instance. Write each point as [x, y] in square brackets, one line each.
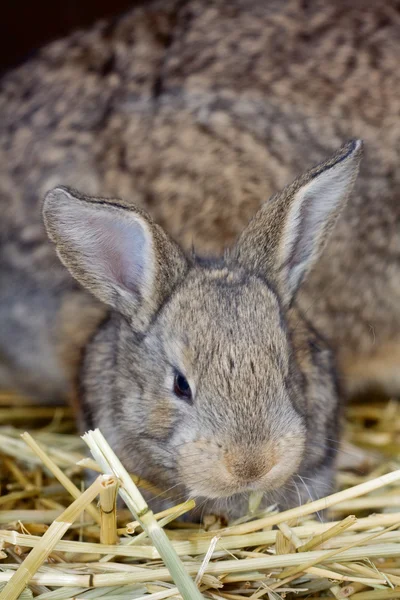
[209, 311]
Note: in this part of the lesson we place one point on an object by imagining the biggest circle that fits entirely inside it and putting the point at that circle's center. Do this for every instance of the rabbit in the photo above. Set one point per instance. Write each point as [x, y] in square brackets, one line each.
[196, 113]
[204, 376]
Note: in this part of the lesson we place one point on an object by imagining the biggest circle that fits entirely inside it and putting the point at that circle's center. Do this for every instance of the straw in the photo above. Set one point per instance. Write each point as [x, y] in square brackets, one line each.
[55, 532]
[333, 531]
[315, 506]
[141, 575]
[108, 461]
[108, 512]
[58, 474]
[302, 557]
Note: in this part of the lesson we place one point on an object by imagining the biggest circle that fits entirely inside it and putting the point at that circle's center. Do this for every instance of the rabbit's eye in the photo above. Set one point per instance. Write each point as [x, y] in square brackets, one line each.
[182, 387]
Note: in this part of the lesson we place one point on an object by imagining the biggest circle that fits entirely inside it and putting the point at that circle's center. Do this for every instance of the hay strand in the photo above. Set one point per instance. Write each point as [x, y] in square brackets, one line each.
[354, 556]
[108, 512]
[109, 463]
[36, 558]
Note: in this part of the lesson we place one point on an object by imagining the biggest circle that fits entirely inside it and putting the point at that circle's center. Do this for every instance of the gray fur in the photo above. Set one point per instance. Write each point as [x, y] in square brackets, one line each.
[257, 386]
[198, 112]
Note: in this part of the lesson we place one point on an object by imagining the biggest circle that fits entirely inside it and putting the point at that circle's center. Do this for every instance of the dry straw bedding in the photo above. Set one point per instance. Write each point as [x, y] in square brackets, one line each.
[59, 540]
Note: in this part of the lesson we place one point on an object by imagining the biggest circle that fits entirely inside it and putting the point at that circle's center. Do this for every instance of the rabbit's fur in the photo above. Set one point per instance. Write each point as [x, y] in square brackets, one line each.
[264, 395]
[198, 112]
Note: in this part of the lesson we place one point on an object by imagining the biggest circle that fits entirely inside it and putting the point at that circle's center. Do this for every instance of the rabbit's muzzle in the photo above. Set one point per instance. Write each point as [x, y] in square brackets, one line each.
[214, 471]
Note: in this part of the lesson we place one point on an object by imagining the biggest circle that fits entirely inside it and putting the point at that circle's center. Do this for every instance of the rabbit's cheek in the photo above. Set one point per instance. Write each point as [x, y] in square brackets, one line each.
[200, 465]
[161, 419]
[289, 452]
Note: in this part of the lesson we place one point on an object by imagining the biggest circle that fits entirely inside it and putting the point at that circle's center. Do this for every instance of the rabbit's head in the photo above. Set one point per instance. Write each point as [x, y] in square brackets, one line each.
[194, 378]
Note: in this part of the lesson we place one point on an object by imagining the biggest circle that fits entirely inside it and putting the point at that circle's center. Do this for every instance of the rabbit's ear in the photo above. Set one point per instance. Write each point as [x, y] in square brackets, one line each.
[289, 232]
[114, 250]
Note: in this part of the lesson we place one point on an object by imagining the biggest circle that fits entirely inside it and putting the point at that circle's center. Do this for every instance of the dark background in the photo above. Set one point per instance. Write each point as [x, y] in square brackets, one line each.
[25, 25]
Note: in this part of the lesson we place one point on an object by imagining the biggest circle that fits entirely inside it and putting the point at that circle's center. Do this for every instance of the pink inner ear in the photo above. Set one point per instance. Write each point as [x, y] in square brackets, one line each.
[119, 247]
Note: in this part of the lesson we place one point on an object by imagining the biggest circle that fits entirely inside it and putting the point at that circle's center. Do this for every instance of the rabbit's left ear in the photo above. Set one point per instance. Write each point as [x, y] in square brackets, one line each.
[115, 251]
[287, 235]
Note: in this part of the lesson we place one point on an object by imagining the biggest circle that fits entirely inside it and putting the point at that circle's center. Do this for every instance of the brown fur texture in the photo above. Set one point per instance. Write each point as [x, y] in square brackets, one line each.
[198, 112]
[263, 401]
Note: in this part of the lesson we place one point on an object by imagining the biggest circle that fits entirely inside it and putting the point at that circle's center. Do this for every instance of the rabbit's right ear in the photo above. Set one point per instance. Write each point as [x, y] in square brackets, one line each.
[115, 251]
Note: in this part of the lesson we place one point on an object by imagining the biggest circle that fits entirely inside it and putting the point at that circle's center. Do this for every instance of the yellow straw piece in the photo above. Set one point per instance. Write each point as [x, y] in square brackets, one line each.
[36, 558]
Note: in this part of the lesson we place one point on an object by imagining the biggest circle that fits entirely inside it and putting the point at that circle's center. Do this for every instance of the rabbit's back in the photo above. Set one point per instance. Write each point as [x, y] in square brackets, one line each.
[199, 111]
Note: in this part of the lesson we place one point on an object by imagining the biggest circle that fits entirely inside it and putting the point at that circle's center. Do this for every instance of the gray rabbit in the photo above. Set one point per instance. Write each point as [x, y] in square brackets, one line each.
[218, 370]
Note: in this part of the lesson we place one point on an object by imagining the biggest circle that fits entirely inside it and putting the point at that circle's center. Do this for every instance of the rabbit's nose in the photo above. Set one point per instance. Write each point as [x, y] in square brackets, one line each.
[248, 466]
